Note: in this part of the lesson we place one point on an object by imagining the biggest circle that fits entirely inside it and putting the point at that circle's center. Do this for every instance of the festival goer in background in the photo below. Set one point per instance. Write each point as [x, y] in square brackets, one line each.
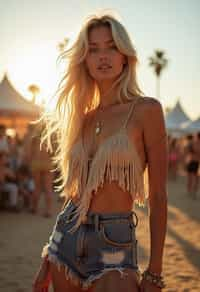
[173, 158]
[197, 144]
[26, 186]
[109, 132]
[8, 184]
[4, 146]
[192, 158]
[39, 161]
[15, 153]
[19, 150]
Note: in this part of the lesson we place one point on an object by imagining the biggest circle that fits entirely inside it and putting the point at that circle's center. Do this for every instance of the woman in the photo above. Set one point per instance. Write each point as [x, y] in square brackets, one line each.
[173, 158]
[192, 157]
[39, 161]
[113, 133]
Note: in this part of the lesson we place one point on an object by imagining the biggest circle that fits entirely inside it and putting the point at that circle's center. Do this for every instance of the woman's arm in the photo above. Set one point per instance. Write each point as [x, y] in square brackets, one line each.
[155, 139]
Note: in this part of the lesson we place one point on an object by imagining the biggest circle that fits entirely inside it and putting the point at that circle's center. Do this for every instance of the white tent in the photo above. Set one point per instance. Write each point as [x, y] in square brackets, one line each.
[15, 111]
[12, 103]
[192, 126]
[175, 118]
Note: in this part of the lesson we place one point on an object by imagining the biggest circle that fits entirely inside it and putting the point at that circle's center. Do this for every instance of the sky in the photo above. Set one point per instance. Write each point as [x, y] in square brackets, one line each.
[30, 31]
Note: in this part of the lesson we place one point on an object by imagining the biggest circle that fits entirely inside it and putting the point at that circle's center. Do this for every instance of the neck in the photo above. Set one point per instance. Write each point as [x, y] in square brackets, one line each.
[107, 95]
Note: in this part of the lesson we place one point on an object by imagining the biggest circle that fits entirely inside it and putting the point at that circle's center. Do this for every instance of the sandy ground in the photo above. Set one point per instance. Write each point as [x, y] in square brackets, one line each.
[23, 235]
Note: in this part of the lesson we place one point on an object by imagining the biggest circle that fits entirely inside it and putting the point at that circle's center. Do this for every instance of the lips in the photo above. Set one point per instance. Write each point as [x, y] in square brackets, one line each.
[104, 67]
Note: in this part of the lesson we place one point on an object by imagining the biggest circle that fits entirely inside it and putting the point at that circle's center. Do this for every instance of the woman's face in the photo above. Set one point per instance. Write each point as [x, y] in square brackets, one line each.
[103, 60]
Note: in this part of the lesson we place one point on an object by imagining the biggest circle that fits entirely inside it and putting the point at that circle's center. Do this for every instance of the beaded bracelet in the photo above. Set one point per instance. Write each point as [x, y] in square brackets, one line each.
[154, 279]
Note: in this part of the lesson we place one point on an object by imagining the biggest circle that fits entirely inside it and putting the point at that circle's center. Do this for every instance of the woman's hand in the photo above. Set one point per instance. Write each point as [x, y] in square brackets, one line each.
[146, 286]
[43, 278]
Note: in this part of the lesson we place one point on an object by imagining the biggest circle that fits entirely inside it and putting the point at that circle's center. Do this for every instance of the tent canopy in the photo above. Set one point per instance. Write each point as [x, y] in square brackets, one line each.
[13, 104]
[192, 126]
[175, 118]
[15, 111]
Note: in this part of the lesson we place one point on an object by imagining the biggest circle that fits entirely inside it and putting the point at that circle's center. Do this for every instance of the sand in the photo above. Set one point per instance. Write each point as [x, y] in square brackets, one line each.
[23, 235]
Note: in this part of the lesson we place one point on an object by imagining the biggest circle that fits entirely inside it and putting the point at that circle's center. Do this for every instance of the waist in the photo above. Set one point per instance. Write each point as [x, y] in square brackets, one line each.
[97, 218]
[110, 198]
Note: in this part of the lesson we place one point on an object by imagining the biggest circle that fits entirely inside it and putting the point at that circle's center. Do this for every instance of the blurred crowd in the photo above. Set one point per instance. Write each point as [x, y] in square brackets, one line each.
[26, 169]
[25, 172]
[184, 159]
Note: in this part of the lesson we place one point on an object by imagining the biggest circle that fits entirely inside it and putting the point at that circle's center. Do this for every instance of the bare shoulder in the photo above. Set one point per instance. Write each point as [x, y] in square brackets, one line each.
[149, 109]
[148, 104]
[153, 123]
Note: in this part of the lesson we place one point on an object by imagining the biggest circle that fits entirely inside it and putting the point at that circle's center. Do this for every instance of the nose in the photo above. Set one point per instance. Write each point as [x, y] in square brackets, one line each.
[103, 56]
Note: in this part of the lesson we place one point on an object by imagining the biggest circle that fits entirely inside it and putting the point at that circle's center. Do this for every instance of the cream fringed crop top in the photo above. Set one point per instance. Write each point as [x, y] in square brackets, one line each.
[115, 159]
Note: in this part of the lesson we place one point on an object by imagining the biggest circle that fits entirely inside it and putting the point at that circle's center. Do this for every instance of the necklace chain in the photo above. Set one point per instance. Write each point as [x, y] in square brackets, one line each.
[99, 123]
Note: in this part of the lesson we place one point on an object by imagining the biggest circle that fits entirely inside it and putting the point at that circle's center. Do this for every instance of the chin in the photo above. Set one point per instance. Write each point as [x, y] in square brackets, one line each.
[105, 77]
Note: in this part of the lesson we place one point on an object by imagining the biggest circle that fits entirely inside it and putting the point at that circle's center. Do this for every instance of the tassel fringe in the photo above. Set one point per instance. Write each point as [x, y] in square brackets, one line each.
[122, 164]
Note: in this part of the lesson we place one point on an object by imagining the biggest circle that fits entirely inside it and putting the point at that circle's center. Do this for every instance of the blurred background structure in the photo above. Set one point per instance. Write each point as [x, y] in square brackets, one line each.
[16, 112]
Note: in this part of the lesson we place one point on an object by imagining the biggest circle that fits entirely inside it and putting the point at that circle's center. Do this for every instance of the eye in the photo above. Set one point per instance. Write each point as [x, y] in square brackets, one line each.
[113, 47]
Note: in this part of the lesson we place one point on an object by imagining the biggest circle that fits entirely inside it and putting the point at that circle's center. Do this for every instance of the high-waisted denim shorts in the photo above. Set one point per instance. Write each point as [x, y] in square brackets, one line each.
[105, 242]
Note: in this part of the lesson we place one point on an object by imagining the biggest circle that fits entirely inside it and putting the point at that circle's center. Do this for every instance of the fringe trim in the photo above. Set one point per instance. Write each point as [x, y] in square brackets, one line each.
[45, 251]
[121, 164]
[115, 160]
[71, 275]
[87, 284]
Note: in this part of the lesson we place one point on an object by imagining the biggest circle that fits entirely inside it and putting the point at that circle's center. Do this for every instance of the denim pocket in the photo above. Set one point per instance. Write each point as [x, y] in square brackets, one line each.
[81, 243]
[118, 234]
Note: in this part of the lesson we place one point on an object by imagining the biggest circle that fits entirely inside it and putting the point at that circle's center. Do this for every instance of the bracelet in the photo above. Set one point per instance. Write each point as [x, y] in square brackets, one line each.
[154, 279]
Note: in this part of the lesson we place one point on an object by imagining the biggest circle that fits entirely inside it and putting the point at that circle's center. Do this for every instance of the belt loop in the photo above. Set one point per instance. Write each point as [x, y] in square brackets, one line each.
[96, 222]
[134, 216]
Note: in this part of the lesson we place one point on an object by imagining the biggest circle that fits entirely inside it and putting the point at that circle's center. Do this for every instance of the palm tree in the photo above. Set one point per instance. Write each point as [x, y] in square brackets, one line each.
[158, 61]
[35, 90]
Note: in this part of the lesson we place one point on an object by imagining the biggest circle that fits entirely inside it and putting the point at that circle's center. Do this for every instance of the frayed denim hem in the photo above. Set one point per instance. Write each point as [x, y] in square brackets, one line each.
[87, 283]
[71, 275]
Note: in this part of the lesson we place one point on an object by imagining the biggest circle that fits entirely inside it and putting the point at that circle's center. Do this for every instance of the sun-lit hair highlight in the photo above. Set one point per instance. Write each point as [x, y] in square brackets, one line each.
[78, 92]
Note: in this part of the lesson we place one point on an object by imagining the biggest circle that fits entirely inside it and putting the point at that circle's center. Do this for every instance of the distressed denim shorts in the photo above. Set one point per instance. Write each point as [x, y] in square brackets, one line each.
[105, 242]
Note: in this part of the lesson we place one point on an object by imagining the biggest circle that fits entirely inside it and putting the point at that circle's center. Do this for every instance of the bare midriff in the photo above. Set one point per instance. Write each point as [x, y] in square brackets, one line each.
[110, 198]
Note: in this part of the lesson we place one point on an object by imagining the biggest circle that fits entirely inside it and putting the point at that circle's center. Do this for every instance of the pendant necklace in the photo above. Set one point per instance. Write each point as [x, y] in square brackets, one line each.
[98, 127]
[99, 124]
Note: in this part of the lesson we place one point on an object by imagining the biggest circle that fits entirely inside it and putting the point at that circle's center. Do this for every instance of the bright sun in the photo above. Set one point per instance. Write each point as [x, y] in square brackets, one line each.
[35, 65]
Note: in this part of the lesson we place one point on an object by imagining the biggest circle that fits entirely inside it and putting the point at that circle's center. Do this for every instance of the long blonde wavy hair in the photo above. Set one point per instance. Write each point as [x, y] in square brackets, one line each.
[78, 92]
